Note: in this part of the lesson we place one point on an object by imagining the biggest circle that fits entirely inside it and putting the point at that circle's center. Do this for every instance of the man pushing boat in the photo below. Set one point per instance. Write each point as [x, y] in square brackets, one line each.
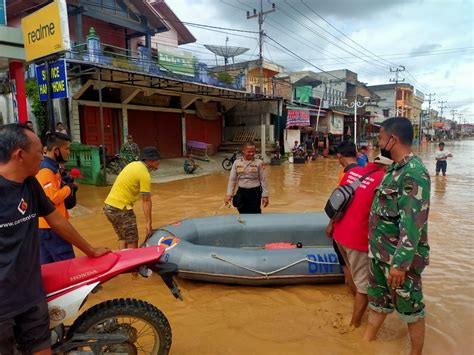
[249, 175]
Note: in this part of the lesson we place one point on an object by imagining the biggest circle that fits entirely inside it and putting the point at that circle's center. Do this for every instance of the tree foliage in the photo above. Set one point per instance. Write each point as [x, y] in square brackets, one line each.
[38, 108]
[225, 77]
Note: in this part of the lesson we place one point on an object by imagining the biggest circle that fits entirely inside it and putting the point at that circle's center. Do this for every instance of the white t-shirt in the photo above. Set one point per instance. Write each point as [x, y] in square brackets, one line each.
[442, 154]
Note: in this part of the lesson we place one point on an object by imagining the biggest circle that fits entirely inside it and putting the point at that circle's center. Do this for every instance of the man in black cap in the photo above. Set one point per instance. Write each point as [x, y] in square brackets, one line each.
[133, 181]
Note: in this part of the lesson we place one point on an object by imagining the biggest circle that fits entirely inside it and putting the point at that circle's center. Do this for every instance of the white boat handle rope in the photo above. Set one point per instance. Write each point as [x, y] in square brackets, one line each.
[267, 274]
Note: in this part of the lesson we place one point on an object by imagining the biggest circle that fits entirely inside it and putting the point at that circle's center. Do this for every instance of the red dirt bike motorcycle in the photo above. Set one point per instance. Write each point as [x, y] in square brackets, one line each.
[119, 326]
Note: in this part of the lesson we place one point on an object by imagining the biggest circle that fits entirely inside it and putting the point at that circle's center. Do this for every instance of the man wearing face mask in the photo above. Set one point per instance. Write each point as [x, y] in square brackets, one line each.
[133, 182]
[52, 246]
[398, 239]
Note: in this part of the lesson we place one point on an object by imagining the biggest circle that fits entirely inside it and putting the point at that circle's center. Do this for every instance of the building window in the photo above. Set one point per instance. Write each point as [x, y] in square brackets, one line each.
[386, 112]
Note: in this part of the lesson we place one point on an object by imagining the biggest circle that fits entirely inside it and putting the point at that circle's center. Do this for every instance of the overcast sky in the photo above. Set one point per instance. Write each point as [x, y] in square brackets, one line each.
[433, 39]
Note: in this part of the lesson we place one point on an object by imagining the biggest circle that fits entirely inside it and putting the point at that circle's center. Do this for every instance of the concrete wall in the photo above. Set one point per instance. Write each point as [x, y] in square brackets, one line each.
[289, 138]
[169, 38]
[250, 113]
[387, 101]
[108, 33]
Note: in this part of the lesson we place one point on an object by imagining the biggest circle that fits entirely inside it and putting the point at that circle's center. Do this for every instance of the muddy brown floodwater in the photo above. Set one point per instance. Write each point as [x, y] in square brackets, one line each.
[303, 319]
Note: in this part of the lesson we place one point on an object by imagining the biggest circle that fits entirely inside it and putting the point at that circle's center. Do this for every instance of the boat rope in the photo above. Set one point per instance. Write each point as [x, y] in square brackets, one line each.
[229, 205]
[267, 274]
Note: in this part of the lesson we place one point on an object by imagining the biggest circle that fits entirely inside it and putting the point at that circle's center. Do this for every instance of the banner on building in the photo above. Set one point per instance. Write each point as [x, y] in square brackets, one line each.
[175, 60]
[336, 124]
[58, 80]
[3, 13]
[297, 118]
[46, 31]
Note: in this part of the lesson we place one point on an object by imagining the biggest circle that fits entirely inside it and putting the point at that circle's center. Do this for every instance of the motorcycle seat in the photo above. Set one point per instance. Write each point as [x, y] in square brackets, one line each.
[62, 274]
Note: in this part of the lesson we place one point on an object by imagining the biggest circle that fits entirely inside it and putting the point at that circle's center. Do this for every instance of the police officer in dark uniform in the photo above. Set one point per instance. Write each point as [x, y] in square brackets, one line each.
[249, 175]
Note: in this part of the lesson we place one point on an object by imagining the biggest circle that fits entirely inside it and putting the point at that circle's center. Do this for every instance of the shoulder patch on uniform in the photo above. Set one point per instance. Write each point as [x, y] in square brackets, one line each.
[409, 185]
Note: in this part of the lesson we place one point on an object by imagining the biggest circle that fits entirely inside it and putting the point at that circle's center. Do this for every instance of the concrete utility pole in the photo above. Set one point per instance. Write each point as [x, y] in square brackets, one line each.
[429, 112]
[460, 124]
[261, 34]
[453, 112]
[442, 106]
[396, 81]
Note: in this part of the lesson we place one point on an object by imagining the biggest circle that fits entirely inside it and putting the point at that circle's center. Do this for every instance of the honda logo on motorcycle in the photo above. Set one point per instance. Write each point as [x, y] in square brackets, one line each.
[84, 275]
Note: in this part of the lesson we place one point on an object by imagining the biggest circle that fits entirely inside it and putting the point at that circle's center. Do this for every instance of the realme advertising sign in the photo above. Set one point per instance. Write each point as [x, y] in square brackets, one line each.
[46, 31]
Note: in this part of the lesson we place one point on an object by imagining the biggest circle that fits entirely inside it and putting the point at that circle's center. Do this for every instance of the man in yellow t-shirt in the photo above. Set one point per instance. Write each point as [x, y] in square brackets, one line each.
[133, 181]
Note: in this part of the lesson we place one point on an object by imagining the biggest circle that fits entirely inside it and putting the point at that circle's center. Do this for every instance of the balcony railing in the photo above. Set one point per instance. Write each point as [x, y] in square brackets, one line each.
[143, 61]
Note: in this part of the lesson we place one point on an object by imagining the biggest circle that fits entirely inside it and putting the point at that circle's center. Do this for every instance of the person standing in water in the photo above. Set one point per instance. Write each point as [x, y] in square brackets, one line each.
[442, 159]
[309, 148]
[398, 235]
[52, 246]
[133, 183]
[249, 175]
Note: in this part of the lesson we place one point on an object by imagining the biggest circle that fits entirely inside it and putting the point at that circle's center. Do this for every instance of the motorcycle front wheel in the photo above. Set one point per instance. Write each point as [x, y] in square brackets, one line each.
[227, 164]
[146, 327]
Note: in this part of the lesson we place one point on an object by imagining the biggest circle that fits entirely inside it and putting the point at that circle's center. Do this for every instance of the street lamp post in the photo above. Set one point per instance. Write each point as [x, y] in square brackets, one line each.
[356, 104]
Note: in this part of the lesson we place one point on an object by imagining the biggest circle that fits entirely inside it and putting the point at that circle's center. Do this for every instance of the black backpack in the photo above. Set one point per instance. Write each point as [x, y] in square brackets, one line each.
[341, 198]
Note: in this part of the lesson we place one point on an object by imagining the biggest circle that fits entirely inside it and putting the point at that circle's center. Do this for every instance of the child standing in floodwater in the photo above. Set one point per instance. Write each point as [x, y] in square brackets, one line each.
[442, 159]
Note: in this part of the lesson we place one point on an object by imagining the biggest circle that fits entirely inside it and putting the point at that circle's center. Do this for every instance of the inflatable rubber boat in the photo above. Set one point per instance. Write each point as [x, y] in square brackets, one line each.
[266, 249]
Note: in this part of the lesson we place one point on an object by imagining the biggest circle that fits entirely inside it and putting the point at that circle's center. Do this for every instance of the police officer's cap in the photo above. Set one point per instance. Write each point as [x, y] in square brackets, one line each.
[150, 153]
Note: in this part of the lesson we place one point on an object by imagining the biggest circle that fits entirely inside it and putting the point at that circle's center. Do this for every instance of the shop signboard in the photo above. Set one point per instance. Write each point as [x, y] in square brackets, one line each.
[175, 60]
[336, 124]
[3, 13]
[46, 31]
[297, 118]
[58, 80]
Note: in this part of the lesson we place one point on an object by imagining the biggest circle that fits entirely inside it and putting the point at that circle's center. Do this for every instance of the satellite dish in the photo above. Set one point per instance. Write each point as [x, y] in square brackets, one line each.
[226, 51]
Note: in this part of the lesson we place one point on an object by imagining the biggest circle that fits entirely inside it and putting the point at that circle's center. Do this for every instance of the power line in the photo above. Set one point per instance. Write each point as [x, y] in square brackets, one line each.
[350, 39]
[442, 106]
[331, 42]
[261, 17]
[416, 81]
[302, 59]
[402, 55]
[311, 45]
[216, 27]
[397, 70]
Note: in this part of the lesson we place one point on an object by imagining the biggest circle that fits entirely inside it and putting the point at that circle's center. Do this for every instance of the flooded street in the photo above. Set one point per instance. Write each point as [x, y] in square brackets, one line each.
[303, 319]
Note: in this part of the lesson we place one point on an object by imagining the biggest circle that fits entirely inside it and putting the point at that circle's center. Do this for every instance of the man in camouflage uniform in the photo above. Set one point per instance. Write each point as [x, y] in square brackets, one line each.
[398, 240]
[130, 151]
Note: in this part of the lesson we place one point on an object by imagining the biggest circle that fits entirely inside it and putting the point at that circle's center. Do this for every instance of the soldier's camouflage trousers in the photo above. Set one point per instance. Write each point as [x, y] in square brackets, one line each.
[407, 300]
[124, 223]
